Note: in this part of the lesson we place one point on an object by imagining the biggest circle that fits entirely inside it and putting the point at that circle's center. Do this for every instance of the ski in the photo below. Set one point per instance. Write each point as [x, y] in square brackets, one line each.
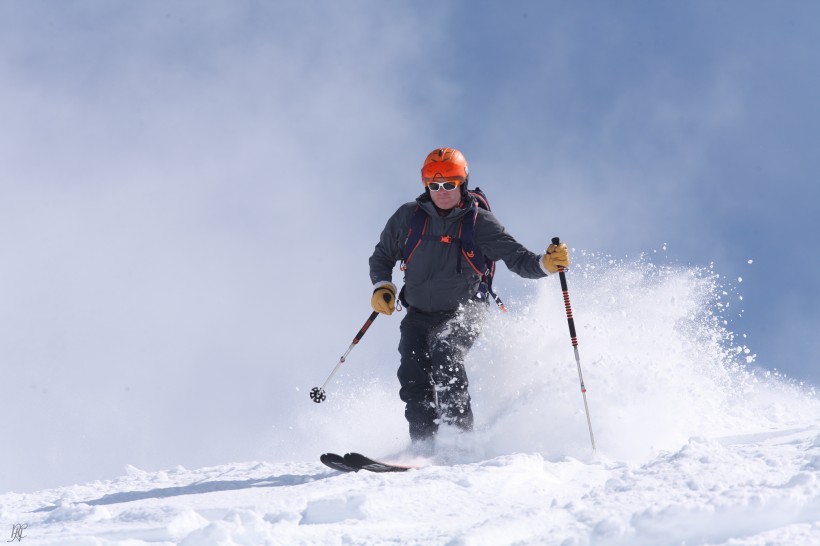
[357, 460]
[353, 462]
[336, 462]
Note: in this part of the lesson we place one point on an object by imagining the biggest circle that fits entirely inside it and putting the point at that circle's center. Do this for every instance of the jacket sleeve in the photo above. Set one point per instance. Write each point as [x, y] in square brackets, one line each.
[495, 243]
[390, 247]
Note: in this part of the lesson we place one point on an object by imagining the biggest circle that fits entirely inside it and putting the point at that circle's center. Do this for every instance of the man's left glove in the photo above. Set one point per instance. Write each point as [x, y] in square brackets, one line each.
[556, 256]
[382, 304]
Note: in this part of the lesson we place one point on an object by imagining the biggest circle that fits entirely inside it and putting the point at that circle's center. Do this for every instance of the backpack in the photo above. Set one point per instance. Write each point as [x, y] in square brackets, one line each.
[484, 267]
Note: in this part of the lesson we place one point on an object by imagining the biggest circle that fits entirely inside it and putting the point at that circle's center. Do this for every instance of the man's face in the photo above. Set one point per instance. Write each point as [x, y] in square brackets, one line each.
[443, 198]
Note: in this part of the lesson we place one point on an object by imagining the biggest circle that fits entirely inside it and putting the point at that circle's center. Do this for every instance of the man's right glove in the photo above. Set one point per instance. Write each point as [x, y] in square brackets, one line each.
[382, 304]
[557, 255]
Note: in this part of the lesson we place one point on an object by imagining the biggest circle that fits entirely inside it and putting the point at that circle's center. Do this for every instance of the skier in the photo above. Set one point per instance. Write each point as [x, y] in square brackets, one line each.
[444, 292]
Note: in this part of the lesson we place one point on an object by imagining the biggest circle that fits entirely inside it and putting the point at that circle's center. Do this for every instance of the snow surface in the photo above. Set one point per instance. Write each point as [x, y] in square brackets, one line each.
[695, 445]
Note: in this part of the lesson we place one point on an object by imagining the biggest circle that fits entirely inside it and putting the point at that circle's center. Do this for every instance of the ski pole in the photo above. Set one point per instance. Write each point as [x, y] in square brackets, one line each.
[574, 338]
[317, 394]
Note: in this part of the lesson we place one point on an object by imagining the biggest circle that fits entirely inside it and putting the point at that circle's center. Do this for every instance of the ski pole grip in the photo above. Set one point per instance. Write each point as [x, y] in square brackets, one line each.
[561, 269]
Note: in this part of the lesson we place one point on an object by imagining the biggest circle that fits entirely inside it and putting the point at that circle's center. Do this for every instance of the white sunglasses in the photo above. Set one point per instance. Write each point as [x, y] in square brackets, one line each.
[446, 186]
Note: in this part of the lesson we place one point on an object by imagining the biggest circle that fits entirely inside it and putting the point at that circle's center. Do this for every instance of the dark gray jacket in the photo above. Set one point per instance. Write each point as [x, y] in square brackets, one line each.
[432, 281]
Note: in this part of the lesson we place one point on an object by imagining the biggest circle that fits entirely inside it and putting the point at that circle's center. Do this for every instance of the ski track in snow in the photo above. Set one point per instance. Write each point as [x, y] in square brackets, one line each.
[694, 446]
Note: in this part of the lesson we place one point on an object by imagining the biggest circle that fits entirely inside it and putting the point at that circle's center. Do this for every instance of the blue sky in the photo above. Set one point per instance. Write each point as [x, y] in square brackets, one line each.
[190, 190]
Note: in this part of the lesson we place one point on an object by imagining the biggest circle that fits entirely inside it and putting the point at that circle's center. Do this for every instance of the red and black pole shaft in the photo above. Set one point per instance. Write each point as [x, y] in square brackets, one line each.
[574, 337]
[317, 394]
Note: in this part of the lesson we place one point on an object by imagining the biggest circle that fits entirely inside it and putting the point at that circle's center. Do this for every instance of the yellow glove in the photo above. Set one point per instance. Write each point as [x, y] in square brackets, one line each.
[557, 255]
[384, 299]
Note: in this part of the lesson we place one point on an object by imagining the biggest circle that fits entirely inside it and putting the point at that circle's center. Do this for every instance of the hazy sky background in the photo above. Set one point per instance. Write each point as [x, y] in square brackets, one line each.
[189, 191]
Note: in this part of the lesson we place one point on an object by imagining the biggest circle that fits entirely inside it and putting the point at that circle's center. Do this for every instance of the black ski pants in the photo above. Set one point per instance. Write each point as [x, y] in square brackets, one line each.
[432, 375]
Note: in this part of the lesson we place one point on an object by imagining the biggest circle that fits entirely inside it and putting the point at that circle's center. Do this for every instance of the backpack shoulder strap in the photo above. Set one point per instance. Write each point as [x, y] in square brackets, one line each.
[481, 198]
[418, 228]
[466, 232]
[485, 267]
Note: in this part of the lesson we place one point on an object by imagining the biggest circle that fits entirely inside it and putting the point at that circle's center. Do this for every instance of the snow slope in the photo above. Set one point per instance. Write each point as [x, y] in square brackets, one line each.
[695, 446]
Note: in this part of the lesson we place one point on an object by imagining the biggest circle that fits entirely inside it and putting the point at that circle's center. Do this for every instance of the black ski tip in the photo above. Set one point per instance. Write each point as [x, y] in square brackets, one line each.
[357, 460]
[337, 462]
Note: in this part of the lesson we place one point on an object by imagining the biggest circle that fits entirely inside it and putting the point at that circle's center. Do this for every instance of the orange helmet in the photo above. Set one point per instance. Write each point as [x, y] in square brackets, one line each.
[444, 163]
